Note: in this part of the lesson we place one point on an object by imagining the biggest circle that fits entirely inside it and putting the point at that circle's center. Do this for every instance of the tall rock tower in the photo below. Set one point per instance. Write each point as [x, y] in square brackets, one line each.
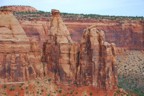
[19, 57]
[97, 60]
[60, 50]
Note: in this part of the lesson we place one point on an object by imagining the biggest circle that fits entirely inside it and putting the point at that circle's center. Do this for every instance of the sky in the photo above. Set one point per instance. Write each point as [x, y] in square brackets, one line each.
[102, 7]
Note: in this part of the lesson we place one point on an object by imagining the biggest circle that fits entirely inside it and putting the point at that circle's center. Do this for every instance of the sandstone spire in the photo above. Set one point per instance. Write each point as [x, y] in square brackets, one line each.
[58, 30]
[59, 50]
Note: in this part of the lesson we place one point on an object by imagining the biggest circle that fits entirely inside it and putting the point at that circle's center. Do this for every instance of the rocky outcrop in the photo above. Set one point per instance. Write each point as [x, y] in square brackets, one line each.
[97, 60]
[60, 50]
[20, 58]
[93, 63]
[19, 8]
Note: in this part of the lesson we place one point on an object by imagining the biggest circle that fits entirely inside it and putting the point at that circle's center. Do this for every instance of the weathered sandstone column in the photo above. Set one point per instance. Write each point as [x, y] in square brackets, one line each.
[60, 51]
[97, 60]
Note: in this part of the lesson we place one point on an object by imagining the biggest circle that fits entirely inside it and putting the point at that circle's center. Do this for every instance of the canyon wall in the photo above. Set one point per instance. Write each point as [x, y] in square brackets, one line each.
[127, 34]
[36, 30]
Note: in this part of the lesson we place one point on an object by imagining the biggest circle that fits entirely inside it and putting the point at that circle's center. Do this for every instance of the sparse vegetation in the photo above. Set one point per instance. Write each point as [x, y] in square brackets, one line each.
[85, 93]
[91, 93]
[12, 88]
[49, 80]
[4, 86]
[71, 16]
[60, 90]
[127, 67]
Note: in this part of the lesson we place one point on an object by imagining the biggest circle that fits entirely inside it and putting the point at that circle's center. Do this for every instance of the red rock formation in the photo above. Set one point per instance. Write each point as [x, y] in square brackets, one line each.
[20, 57]
[92, 64]
[19, 8]
[97, 60]
[60, 51]
[125, 34]
[36, 29]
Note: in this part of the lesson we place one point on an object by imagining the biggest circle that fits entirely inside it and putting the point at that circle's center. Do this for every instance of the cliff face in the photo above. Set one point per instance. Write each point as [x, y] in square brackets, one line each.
[125, 34]
[36, 30]
[19, 57]
[19, 8]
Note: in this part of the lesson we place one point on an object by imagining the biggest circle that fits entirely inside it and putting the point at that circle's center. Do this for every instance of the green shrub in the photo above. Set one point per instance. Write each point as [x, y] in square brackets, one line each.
[91, 93]
[4, 86]
[12, 88]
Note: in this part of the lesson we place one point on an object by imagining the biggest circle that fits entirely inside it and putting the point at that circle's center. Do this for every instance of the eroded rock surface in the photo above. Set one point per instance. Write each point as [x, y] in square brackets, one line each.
[93, 63]
[36, 29]
[59, 50]
[97, 60]
[20, 58]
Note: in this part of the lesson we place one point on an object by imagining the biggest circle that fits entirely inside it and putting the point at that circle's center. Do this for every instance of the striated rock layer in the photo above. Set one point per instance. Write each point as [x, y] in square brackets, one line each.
[19, 56]
[124, 33]
[60, 51]
[36, 30]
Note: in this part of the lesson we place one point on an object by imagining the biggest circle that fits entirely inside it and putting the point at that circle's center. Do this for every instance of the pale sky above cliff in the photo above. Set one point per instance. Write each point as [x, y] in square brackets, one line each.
[103, 7]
